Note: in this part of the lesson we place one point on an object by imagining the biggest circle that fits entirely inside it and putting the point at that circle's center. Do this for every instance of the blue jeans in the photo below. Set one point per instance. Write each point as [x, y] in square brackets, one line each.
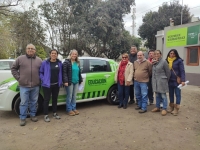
[29, 98]
[161, 97]
[141, 93]
[71, 97]
[123, 94]
[177, 92]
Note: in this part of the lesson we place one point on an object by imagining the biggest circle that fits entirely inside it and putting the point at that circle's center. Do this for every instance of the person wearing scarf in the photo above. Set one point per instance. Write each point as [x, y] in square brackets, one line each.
[177, 69]
[124, 78]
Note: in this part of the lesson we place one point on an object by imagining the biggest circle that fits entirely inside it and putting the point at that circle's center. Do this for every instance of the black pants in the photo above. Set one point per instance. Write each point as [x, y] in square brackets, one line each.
[131, 93]
[53, 90]
[150, 91]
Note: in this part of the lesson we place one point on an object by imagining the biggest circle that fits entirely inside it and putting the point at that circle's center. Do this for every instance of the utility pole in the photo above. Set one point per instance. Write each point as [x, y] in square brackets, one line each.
[182, 13]
[133, 20]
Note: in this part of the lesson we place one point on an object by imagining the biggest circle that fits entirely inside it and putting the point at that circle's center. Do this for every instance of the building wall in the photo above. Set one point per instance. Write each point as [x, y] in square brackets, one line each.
[192, 72]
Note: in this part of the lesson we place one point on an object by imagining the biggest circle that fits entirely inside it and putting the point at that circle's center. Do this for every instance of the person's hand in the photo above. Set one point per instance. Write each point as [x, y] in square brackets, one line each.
[66, 84]
[183, 83]
[128, 83]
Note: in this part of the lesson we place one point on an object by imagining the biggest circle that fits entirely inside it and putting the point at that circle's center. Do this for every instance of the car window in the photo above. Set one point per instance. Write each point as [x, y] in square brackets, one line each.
[6, 65]
[81, 65]
[97, 65]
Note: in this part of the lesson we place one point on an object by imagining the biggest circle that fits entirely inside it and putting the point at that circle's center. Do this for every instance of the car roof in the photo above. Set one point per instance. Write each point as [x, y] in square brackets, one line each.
[7, 60]
[93, 58]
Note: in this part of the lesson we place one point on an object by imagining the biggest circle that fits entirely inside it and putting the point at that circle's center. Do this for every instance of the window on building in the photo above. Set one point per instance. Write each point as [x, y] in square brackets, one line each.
[193, 54]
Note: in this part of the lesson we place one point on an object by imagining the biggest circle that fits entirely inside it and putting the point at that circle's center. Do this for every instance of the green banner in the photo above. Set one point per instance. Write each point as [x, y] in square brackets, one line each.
[192, 35]
[177, 37]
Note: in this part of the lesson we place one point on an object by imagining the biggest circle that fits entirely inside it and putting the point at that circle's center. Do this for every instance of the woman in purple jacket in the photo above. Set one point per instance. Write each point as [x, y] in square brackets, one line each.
[177, 70]
[51, 78]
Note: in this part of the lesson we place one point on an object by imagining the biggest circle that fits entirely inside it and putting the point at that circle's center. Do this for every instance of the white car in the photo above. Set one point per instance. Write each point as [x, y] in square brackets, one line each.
[98, 83]
[5, 69]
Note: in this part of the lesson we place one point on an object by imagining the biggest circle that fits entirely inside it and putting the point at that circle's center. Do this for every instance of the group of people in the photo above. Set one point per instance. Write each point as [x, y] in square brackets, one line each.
[31, 73]
[143, 77]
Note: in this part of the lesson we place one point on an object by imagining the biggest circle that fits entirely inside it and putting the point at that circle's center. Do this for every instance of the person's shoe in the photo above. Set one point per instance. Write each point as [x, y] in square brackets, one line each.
[71, 113]
[137, 108]
[131, 102]
[171, 107]
[176, 109]
[55, 115]
[120, 106]
[34, 118]
[164, 112]
[76, 112]
[155, 110]
[125, 106]
[46, 118]
[22, 122]
[151, 102]
[142, 111]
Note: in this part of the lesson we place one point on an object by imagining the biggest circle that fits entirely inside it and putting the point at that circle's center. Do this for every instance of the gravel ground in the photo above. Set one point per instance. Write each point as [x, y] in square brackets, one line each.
[101, 126]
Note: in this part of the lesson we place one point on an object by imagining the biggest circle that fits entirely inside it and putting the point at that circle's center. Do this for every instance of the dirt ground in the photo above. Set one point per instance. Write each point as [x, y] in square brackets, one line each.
[101, 126]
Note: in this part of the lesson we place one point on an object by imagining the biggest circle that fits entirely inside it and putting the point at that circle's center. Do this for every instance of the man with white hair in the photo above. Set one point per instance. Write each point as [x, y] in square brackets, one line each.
[26, 71]
[142, 71]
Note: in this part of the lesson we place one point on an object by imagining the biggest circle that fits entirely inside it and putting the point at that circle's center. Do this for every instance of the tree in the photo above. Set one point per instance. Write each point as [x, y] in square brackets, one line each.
[27, 28]
[40, 52]
[7, 45]
[136, 41]
[155, 21]
[5, 6]
[103, 28]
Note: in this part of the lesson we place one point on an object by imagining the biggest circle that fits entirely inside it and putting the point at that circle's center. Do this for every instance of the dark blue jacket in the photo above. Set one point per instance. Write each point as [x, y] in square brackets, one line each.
[45, 73]
[178, 67]
[67, 72]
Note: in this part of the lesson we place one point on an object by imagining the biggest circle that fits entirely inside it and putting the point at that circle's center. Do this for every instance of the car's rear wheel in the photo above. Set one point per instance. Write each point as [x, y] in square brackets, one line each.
[39, 106]
[112, 96]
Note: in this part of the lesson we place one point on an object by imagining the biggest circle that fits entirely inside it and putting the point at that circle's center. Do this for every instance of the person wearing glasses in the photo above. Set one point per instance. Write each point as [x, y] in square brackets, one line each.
[124, 78]
[25, 70]
[51, 78]
[177, 71]
[142, 71]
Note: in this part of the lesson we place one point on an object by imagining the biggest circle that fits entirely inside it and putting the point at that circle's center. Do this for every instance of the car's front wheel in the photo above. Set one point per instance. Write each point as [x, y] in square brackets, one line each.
[17, 104]
[112, 96]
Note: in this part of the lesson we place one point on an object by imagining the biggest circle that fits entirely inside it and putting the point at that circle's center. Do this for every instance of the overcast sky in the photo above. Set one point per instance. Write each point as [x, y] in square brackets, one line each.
[143, 6]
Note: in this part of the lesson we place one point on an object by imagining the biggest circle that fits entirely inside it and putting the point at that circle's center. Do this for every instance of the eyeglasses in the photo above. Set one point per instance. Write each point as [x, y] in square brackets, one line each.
[30, 48]
[124, 57]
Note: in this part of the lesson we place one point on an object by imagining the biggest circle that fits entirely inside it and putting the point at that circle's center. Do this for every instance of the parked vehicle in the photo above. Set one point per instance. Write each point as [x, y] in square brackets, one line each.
[5, 69]
[98, 83]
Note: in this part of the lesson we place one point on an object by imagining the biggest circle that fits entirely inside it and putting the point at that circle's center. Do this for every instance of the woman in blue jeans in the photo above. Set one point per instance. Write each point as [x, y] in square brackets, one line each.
[71, 79]
[124, 78]
[160, 77]
[177, 70]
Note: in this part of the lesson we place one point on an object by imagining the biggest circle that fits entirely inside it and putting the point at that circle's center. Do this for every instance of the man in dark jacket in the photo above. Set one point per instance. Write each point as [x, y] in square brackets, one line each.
[26, 71]
[132, 58]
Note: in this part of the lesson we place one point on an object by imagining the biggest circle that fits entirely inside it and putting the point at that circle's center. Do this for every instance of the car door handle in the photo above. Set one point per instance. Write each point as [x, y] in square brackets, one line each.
[107, 75]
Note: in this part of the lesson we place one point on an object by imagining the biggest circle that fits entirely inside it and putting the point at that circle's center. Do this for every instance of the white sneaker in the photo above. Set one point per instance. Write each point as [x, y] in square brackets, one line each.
[46, 118]
[55, 115]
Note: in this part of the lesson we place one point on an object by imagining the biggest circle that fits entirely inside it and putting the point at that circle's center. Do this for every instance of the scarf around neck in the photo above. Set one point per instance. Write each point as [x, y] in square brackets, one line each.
[171, 60]
[121, 72]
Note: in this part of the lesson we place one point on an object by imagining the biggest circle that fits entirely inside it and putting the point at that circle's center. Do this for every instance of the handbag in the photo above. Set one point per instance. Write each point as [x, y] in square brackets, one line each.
[178, 79]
